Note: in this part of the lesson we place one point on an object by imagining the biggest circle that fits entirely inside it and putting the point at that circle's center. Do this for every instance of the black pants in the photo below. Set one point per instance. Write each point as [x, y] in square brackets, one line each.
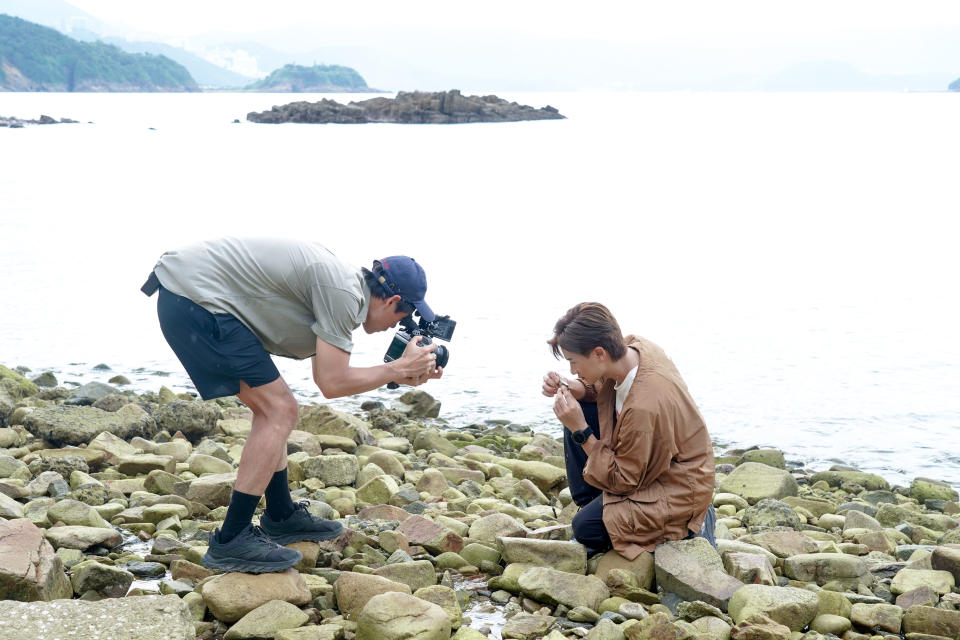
[588, 527]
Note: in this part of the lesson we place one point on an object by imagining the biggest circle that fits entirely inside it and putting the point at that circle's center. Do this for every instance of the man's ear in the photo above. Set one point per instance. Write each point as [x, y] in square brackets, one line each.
[393, 301]
[600, 352]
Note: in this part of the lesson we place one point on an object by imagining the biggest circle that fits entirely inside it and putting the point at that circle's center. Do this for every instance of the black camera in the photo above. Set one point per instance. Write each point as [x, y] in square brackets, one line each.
[441, 328]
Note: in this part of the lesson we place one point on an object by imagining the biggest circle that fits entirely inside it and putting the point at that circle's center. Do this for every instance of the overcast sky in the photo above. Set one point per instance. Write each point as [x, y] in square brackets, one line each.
[565, 44]
[676, 21]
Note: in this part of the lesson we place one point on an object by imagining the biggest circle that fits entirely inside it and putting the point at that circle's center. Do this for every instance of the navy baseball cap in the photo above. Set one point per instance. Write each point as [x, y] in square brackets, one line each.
[404, 277]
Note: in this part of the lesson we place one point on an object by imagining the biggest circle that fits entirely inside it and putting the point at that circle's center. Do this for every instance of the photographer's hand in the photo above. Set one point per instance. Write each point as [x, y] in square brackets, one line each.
[417, 364]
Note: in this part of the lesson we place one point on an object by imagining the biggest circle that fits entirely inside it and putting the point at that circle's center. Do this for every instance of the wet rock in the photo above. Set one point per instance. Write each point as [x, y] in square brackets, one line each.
[79, 425]
[143, 618]
[29, 568]
[690, 570]
[560, 555]
[789, 606]
[754, 482]
[395, 616]
[922, 489]
[89, 393]
[869, 481]
[266, 620]
[46, 380]
[107, 581]
[559, 587]
[231, 596]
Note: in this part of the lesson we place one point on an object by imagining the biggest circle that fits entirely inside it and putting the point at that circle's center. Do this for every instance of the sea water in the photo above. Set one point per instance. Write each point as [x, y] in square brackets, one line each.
[795, 254]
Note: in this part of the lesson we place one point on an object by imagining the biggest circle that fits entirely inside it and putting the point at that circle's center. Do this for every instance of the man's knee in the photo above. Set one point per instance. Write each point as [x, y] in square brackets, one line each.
[274, 403]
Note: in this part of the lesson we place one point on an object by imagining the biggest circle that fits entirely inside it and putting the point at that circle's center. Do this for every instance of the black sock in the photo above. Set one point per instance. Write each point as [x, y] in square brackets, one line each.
[279, 502]
[239, 514]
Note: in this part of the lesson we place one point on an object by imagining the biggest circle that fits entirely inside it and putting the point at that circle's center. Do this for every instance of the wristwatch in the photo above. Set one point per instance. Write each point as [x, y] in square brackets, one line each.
[580, 436]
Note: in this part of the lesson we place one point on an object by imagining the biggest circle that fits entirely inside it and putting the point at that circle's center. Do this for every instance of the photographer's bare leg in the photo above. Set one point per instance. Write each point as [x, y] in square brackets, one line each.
[275, 413]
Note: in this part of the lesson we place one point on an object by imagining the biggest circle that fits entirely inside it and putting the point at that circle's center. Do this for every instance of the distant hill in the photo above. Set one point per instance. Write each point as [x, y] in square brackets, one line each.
[204, 72]
[316, 79]
[955, 85]
[36, 58]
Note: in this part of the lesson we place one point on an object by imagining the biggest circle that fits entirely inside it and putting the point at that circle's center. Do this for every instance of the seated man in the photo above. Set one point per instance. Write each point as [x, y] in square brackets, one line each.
[639, 458]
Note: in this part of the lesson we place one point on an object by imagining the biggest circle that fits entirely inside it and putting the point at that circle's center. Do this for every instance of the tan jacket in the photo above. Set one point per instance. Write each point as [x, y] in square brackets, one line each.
[655, 466]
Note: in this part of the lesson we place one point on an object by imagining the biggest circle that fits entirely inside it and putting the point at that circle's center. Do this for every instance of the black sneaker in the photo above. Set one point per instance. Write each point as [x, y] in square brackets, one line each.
[300, 526]
[250, 551]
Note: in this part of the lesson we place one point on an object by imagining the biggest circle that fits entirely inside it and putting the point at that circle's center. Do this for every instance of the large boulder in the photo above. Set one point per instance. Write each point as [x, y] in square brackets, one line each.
[907, 580]
[789, 606]
[105, 580]
[433, 440]
[213, 490]
[891, 515]
[29, 568]
[193, 418]
[755, 481]
[231, 596]
[87, 394]
[320, 419]
[431, 536]
[400, 616]
[445, 598]
[769, 513]
[559, 587]
[113, 446]
[693, 570]
[82, 538]
[932, 621]
[65, 425]
[74, 512]
[547, 477]
[354, 590]
[144, 618]
[869, 481]
[923, 489]
[558, 554]
[416, 574]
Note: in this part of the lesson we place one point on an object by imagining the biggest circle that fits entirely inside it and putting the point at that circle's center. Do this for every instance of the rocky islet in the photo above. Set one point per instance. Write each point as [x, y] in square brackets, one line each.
[107, 498]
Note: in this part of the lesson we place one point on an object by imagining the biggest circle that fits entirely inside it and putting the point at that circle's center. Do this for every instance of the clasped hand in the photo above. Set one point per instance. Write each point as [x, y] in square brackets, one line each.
[418, 364]
[565, 406]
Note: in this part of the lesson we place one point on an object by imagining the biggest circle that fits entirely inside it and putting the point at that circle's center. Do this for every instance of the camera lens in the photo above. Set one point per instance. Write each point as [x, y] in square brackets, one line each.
[443, 355]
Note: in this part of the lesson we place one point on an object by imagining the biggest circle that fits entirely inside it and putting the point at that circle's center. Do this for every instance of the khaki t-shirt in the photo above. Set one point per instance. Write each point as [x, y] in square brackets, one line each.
[287, 292]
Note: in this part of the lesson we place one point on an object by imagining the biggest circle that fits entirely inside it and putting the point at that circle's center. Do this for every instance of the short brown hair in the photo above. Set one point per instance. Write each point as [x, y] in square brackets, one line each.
[586, 326]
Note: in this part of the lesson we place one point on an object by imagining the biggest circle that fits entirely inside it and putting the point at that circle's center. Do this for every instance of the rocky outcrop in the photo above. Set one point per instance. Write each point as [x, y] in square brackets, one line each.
[416, 107]
[18, 123]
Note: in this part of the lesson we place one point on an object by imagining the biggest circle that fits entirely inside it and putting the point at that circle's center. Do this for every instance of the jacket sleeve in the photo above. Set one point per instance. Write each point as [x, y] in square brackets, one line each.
[635, 462]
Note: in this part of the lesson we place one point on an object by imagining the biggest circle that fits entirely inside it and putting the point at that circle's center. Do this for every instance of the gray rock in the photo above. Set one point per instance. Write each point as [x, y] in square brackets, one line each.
[195, 419]
[108, 581]
[266, 620]
[771, 513]
[89, 393]
[82, 538]
[416, 107]
[323, 420]
[230, 596]
[65, 425]
[143, 618]
[213, 490]
[417, 404]
[495, 525]
[45, 379]
[416, 574]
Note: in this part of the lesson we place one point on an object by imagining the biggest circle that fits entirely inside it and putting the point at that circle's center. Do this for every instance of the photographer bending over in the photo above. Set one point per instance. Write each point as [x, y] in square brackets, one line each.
[639, 458]
[224, 307]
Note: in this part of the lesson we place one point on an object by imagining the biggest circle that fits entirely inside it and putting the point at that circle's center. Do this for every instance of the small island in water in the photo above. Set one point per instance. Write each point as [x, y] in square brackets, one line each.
[319, 78]
[409, 107]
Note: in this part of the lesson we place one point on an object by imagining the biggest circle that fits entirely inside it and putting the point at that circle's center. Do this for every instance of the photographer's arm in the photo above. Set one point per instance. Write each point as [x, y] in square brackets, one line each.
[336, 378]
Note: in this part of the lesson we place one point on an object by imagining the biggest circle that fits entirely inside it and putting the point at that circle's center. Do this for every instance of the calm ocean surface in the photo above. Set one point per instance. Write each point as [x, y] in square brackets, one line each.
[795, 254]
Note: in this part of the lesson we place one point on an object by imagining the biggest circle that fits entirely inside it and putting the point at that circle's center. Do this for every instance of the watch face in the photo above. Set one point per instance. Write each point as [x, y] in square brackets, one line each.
[579, 437]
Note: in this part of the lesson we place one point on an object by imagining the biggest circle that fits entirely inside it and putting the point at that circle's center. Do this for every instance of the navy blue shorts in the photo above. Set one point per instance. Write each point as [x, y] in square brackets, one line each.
[216, 349]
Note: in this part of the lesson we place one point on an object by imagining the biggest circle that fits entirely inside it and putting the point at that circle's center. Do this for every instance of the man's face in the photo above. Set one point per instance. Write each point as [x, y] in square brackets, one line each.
[382, 315]
[587, 367]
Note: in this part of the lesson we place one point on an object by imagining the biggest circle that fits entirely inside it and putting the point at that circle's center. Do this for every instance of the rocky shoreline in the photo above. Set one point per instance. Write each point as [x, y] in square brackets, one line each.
[18, 123]
[409, 107]
[107, 498]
